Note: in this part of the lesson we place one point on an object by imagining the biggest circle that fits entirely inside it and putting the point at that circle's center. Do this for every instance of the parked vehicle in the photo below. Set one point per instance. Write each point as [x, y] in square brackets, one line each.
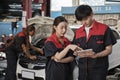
[3, 63]
[31, 69]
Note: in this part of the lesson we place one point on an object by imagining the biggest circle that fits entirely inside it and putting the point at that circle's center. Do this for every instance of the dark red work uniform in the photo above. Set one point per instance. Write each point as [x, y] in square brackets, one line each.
[100, 36]
[57, 70]
[12, 52]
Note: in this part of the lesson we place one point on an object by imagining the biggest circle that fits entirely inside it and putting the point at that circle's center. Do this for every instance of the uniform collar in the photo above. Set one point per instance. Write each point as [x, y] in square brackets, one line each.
[20, 34]
[55, 40]
[94, 27]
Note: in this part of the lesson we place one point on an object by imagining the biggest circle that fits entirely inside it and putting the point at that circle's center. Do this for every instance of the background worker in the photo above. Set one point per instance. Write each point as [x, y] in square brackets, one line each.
[20, 44]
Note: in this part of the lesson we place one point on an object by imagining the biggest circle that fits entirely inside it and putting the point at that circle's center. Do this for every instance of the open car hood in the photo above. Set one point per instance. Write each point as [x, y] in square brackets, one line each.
[44, 26]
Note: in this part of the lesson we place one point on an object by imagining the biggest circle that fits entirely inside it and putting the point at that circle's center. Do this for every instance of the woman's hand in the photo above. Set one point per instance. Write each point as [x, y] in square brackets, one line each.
[33, 57]
[55, 59]
[74, 47]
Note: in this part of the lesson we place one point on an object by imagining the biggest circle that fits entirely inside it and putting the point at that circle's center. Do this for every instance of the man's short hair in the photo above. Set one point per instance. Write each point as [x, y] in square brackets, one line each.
[82, 12]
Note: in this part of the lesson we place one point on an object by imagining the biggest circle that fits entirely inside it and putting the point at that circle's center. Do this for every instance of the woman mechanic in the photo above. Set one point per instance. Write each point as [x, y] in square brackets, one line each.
[20, 44]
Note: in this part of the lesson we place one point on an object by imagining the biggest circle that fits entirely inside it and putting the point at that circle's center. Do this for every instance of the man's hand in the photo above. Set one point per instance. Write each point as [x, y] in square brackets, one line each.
[74, 47]
[83, 54]
[93, 56]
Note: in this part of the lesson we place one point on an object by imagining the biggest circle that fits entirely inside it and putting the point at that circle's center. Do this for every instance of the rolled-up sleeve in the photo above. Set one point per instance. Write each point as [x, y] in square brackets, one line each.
[109, 38]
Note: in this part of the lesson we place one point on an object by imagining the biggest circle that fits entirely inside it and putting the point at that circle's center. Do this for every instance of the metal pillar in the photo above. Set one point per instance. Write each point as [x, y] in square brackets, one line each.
[46, 8]
[27, 11]
[48, 4]
[27, 6]
[38, 1]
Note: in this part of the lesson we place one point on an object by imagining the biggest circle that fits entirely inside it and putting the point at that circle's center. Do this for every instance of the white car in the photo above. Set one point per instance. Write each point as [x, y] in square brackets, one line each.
[29, 69]
[114, 57]
[3, 65]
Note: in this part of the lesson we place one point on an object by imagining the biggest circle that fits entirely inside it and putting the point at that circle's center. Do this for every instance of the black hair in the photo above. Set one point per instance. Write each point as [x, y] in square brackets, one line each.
[58, 20]
[30, 28]
[82, 12]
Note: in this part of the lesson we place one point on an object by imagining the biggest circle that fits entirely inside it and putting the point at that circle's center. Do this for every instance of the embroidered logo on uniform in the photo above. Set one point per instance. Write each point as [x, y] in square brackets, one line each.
[99, 42]
[78, 44]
